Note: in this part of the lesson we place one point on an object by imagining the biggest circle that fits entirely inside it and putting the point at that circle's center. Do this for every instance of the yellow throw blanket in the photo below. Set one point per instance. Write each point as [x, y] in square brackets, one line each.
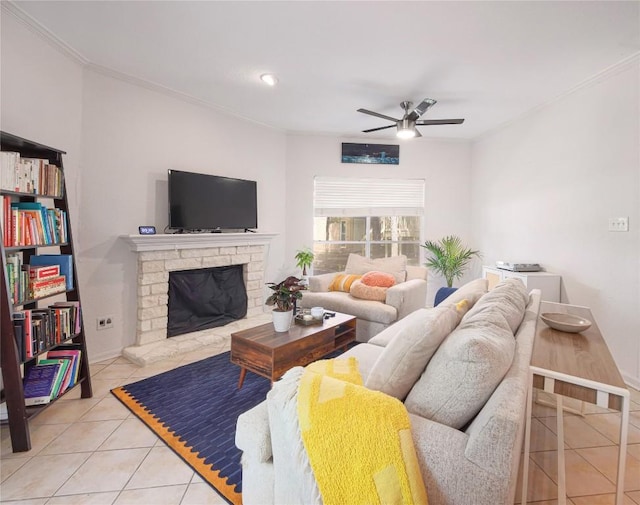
[358, 441]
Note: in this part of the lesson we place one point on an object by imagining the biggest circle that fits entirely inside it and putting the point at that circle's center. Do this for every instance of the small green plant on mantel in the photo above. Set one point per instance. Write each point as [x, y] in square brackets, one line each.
[284, 294]
[304, 259]
[449, 257]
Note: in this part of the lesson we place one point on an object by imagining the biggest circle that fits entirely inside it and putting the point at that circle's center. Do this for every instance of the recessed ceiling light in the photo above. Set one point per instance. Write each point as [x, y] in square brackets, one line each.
[269, 79]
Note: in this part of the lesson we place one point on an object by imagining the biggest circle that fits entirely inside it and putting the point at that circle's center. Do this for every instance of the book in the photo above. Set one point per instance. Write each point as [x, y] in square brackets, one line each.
[39, 273]
[18, 334]
[38, 384]
[48, 287]
[65, 261]
[74, 315]
[66, 352]
[61, 381]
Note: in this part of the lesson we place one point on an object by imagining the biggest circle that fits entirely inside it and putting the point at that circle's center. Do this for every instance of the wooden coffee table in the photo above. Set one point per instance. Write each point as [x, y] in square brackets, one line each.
[265, 352]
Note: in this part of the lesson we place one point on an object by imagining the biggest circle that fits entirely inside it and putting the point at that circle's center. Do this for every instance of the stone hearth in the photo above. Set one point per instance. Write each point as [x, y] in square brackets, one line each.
[160, 254]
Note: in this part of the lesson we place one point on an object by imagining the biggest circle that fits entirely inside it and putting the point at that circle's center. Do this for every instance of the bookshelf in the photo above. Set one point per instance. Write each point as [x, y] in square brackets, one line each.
[38, 225]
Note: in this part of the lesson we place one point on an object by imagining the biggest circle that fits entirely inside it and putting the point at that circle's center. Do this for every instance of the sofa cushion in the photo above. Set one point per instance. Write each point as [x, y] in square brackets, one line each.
[378, 279]
[343, 282]
[471, 291]
[465, 370]
[509, 298]
[396, 265]
[369, 310]
[405, 357]
[366, 354]
[360, 290]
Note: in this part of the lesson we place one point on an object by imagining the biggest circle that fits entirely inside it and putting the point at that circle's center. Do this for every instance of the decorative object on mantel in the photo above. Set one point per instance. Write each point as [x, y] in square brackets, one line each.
[371, 153]
[449, 257]
[284, 296]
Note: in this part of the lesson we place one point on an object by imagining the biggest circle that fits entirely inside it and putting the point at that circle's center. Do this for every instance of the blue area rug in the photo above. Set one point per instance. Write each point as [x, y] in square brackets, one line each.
[194, 409]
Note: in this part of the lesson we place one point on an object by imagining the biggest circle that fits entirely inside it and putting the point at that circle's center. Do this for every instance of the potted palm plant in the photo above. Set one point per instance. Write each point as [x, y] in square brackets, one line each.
[284, 298]
[449, 257]
[304, 259]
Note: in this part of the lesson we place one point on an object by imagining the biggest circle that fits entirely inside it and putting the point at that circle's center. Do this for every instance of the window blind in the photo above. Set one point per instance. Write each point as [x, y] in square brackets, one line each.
[345, 196]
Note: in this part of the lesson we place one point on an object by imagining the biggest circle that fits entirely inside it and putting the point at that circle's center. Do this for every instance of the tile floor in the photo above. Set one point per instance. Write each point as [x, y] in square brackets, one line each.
[94, 452]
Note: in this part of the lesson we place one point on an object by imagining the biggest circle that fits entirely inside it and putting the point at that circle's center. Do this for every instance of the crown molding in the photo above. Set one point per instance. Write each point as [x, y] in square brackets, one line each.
[44, 33]
[48, 36]
[610, 71]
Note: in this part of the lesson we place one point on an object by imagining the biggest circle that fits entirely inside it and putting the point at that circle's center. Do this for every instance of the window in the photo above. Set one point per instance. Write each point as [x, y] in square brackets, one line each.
[375, 218]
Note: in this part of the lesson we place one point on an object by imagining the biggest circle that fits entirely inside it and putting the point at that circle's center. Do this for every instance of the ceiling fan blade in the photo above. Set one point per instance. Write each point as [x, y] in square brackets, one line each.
[422, 108]
[376, 114]
[418, 134]
[424, 122]
[376, 129]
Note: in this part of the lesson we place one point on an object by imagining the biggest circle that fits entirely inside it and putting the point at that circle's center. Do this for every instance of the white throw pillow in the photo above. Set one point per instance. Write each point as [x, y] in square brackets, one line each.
[406, 355]
[465, 370]
[396, 265]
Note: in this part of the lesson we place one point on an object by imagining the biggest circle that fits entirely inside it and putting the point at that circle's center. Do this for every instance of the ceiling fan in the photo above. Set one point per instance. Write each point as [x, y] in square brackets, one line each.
[407, 125]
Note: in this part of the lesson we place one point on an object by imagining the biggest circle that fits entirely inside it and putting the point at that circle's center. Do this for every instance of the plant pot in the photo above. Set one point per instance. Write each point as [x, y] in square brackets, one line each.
[282, 320]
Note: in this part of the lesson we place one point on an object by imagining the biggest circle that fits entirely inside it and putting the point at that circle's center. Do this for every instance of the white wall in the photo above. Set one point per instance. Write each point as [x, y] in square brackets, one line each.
[132, 136]
[445, 165]
[41, 97]
[122, 138]
[544, 188]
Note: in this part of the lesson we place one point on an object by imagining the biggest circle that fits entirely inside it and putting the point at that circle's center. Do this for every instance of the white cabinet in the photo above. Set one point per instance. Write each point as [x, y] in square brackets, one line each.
[547, 283]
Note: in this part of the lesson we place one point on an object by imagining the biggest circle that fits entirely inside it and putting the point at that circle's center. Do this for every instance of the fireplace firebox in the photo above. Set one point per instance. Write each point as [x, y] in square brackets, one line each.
[205, 298]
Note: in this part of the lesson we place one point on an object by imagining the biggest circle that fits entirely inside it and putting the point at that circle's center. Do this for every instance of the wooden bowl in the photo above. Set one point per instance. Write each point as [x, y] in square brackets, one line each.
[565, 322]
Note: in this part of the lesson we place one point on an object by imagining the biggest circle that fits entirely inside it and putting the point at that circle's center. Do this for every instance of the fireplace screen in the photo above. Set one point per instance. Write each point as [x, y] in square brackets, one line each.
[205, 298]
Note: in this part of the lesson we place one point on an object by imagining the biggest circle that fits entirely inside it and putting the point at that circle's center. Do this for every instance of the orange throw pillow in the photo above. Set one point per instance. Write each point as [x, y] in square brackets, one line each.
[343, 282]
[378, 279]
[360, 290]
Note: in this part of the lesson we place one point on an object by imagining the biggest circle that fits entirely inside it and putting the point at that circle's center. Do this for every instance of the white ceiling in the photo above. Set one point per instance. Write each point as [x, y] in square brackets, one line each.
[487, 62]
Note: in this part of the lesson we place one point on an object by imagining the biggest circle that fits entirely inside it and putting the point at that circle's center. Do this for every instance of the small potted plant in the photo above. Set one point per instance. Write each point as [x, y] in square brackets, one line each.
[284, 298]
[449, 257]
[304, 259]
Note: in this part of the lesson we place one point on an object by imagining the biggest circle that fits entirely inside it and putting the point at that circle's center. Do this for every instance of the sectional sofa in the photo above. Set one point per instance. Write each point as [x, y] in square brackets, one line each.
[461, 370]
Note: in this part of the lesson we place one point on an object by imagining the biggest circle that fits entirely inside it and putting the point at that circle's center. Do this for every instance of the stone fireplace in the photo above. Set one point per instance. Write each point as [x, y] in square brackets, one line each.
[158, 255]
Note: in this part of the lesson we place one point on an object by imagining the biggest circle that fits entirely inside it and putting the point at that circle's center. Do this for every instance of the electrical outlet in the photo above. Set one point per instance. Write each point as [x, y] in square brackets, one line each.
[618, 224]
[104, 322]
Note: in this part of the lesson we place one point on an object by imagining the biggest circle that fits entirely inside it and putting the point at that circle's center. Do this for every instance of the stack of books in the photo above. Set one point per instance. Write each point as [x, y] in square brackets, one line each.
[36, 330]
[55, 372]
[29, 175]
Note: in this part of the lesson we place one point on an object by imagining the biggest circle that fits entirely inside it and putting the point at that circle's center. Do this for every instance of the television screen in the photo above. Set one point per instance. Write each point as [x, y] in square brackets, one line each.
[210, 202]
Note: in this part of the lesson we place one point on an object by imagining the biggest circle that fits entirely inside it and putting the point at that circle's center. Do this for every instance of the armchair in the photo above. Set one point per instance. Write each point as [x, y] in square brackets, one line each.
[406, 296]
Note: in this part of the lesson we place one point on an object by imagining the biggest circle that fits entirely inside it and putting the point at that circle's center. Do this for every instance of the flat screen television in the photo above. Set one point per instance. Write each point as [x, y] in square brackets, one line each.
[202, 202]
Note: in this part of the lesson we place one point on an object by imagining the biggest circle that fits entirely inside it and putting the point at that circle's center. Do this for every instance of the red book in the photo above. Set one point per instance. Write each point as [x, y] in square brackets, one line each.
[39, 273]
[28, 345]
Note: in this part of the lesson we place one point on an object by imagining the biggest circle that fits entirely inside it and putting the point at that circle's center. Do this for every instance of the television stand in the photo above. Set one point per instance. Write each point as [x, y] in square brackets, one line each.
[247, 230]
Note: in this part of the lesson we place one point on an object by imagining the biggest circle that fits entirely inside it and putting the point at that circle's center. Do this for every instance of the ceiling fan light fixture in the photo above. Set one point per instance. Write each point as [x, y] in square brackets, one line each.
[269, 79]
[406, 130]
[405, 133]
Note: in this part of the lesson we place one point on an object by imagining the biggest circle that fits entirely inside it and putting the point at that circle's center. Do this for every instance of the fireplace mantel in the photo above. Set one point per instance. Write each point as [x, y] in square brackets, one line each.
[159, 255]
[176, 241]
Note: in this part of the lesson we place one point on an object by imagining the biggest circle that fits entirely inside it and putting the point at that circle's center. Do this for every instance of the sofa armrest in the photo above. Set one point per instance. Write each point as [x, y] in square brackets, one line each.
[253, 436]
[320, 283]
[407, 297]
[450, 476]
